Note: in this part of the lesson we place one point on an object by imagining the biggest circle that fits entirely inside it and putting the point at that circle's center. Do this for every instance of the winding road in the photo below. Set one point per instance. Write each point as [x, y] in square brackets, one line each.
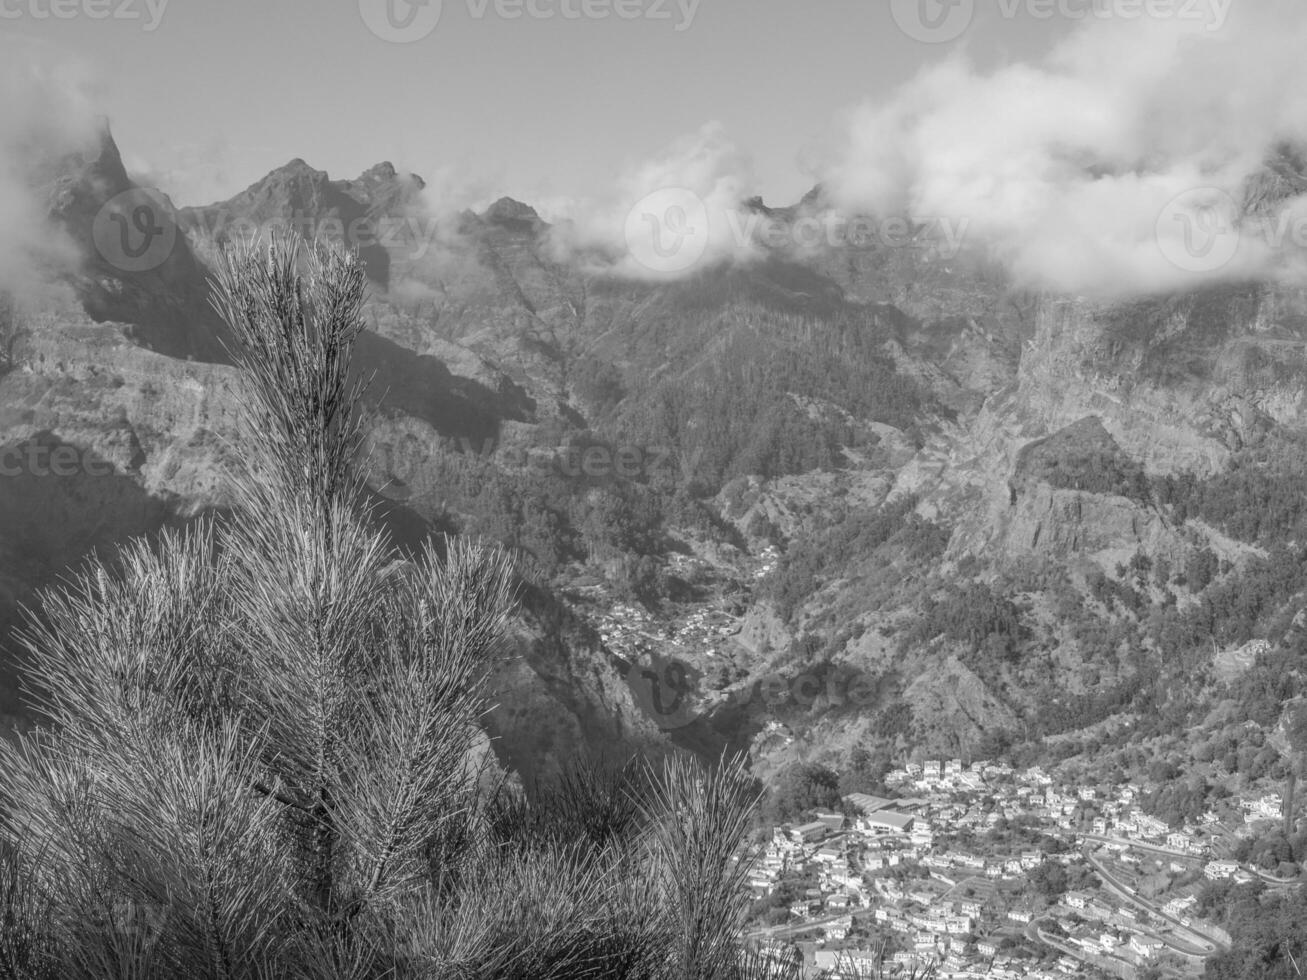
[1201, 945]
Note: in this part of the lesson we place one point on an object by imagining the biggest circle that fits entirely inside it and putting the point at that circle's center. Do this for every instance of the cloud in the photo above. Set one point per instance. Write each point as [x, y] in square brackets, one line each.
[672, 215]
[451, 190]
[192, 174]
[46, 111]
[1119, 164]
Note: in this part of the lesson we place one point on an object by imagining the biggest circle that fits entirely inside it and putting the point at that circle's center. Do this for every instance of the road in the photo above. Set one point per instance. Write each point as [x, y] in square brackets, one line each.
[779, 932]
[1156, 849]
[1138, 845]
[1201, 944]
[1036, 934]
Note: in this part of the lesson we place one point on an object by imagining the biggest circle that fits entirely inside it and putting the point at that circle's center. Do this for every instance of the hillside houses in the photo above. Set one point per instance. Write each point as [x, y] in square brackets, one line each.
[941, 873]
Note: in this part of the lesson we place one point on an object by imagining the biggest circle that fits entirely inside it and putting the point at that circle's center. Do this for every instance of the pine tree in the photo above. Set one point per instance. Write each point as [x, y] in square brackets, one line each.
[261, 751]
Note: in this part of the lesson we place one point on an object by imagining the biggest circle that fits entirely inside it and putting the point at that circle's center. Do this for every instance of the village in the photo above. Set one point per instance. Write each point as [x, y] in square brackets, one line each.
[699, 633]
[984, 871]
[969, 870]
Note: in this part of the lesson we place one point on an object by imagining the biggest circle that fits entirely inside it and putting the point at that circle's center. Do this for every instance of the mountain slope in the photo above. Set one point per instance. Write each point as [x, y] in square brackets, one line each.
[1000, 517]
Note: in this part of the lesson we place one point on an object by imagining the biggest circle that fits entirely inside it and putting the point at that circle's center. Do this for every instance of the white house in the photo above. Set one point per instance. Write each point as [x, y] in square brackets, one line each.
[1220, 869]
[888, 821]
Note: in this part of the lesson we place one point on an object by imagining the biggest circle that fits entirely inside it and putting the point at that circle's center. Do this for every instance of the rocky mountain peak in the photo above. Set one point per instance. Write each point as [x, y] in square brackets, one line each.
[1282, 177]
[385, 170]
[297, 168]
[508, 211]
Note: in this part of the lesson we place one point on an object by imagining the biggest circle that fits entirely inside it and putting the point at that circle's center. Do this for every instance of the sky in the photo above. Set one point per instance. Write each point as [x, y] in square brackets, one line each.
[1096, 147]
[206, 96]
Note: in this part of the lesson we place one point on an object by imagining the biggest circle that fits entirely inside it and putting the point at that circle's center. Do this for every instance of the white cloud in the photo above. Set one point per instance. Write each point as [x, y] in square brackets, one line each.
[703, 175]
[46, 111]
[1067, 167]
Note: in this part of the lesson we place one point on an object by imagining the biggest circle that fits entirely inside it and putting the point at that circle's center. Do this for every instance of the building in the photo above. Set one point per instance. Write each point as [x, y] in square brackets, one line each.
[834, 821]
[866, 803]
[830, 854]
[957, 925]
[838, 928]
[1145, 946]
[844, 962]
[1220, 869]
[888, 821]
[809, 832]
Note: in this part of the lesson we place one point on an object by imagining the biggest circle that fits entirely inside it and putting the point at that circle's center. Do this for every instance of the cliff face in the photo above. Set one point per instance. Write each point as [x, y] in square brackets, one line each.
[1180, 382]
[101, 440]
[160, 291]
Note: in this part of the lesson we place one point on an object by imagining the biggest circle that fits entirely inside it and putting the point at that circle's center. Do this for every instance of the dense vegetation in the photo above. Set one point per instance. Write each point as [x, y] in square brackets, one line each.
[987, 625]
[1269, 929]
[742, 411]
[800, 788]
[1084, 457]
[854, 537]
[1259, 497]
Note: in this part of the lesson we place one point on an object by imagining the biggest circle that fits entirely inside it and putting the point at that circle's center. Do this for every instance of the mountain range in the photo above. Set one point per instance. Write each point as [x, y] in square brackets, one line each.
[845, 505]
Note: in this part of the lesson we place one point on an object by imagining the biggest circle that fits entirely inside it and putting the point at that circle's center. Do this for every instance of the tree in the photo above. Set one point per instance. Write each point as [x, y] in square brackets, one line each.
[262, 753]
[1295, 731]
[804, 786]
